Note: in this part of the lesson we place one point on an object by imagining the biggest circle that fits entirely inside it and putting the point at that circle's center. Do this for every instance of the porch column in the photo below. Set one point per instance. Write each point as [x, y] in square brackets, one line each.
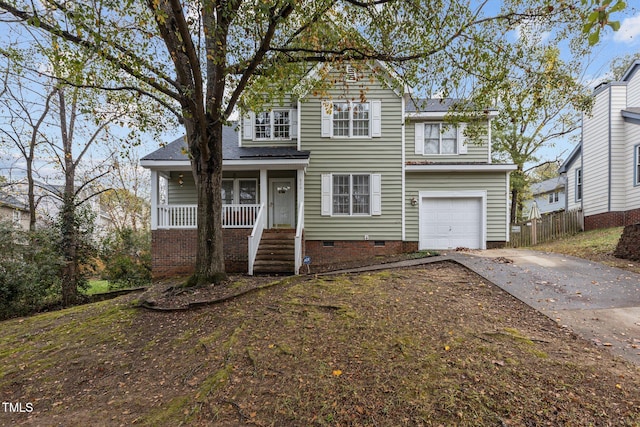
[300, 183]
[155, 188]
[264, 188]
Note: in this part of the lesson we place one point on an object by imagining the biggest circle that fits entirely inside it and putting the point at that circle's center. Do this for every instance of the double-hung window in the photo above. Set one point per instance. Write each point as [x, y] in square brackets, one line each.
[440, 138]
[17, 216]
[554, 197]
[351, 195]
[436, 138]
[351, 119]
[274, 124]
[578, 184]
[277, 124]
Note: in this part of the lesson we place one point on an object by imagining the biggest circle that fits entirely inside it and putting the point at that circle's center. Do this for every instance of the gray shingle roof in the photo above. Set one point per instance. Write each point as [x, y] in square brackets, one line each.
[552, 184]
[12, 202]
[176, 150]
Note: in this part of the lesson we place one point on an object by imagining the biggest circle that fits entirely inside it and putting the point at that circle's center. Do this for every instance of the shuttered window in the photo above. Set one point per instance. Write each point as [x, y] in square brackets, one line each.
[348, 119]
[351, 194]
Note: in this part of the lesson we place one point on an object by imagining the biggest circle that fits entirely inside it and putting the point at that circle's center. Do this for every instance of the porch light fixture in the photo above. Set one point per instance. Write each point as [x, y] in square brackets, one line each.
[414, 201]
[180, 180]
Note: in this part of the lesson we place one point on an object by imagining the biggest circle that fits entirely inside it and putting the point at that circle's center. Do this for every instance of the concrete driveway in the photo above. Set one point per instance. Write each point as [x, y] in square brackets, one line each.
[599, 303]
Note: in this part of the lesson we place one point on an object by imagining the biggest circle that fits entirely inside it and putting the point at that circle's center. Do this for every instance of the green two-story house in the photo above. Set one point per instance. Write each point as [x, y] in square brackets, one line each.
[355, 170]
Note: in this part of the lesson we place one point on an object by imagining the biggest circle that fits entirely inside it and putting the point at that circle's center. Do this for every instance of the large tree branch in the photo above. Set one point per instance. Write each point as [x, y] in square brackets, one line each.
[265, 46]
[114, 60]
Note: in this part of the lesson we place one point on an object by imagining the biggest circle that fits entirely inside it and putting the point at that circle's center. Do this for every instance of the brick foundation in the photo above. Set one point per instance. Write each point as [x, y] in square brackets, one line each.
[629, 244]
[345, 251]
[611, 219]
[174, 251]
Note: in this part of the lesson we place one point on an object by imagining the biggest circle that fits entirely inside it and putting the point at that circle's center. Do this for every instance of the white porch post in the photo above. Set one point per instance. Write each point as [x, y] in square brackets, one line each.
[300, 182]
[155, 189]
[264, 191]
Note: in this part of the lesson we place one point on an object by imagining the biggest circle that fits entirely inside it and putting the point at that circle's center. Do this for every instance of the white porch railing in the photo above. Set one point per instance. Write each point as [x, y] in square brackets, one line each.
[256, 236]
[186, 216]
[298, 238]
[177, 216]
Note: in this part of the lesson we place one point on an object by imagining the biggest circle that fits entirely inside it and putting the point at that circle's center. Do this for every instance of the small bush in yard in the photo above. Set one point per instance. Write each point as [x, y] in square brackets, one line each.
[30, 264]
[127, 259]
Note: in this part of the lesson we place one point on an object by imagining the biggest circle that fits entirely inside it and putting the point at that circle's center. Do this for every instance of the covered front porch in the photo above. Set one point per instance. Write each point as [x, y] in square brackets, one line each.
[254, 202]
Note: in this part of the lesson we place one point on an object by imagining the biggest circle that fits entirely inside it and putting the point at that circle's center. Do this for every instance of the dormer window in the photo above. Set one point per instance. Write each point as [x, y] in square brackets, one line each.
[277, 124]
[273, 125]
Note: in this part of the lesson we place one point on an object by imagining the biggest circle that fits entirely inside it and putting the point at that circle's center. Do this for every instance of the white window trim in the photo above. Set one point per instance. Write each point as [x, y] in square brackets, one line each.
[578, 185]
[375, 195]
[236, 189]
[419, 137]
[636, 166]
[375, 119]
[249, 125]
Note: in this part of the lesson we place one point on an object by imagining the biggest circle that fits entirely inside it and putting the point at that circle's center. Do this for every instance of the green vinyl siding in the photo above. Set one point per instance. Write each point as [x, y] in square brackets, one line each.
[477, 151]
[370, 155]
[494, 183]
[184, 194]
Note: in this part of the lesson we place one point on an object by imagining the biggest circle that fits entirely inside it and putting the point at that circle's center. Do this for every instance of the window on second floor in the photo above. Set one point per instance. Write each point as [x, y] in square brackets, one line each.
[350, 119]
[277, 124]
[578, 184]
[554, 197]
[637, 165]
[274, 124]
[438, 138]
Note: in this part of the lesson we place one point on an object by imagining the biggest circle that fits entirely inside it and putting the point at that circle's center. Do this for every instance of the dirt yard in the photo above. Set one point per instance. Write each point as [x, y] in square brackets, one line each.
[432, 345]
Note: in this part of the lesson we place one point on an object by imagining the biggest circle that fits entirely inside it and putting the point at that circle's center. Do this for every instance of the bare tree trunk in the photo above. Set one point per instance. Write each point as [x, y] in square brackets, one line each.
[69, 230]
[31, 195]
[514, 205]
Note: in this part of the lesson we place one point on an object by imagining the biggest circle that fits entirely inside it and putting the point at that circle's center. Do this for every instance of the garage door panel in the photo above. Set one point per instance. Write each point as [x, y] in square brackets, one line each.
[447, 223]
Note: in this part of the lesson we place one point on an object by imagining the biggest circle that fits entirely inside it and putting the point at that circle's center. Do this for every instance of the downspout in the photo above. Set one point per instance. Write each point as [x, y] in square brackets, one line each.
[403, 156]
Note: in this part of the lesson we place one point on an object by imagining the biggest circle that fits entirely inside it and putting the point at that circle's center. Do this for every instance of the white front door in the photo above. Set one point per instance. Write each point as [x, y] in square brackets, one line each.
[282, 203]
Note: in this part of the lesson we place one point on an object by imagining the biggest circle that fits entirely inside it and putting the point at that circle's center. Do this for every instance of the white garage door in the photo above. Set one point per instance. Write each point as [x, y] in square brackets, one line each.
[449, 223]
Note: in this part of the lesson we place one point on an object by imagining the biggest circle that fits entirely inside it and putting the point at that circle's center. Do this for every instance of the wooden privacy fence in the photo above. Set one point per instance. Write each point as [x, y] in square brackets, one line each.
[550, 227]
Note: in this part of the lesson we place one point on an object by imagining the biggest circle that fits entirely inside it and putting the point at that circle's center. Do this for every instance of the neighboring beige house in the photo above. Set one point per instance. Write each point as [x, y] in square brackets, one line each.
[11, 209]
[337, 176]
[606, 179]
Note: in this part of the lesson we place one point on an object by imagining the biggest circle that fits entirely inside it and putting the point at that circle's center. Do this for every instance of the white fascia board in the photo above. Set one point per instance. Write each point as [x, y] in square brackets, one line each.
[271, 164]
[179, 165]
[461, 168]
[175, 165]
